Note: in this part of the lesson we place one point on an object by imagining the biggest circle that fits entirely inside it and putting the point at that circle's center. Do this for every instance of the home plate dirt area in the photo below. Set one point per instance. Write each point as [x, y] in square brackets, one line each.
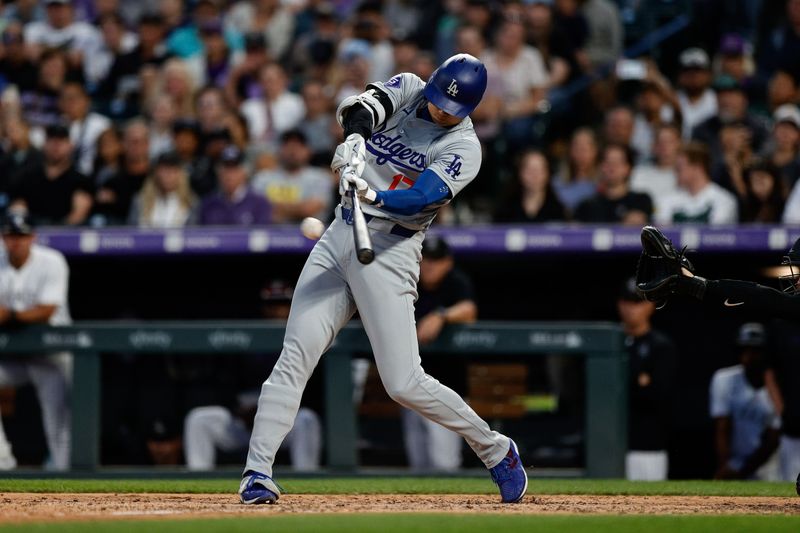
[25, 507]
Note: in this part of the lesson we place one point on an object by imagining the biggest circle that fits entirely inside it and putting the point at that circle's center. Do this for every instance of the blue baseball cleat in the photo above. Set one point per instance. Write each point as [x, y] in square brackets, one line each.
[510, 476]
[258, 488]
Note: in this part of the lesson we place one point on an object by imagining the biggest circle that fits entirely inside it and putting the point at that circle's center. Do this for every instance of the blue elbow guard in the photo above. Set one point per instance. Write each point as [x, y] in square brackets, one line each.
[428, 189]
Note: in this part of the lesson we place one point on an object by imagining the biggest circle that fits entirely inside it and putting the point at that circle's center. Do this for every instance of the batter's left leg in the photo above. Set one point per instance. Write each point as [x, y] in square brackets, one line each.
[384, 292]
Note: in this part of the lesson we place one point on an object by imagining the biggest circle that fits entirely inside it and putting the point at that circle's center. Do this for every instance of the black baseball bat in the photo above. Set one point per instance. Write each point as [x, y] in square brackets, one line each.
[361, 237]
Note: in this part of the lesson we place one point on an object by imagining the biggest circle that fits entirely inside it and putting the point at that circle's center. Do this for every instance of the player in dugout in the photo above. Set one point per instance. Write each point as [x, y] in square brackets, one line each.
[663, 271]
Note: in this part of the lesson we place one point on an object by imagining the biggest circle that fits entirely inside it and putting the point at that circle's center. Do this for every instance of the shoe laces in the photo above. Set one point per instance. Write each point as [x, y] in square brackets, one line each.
[503, 471]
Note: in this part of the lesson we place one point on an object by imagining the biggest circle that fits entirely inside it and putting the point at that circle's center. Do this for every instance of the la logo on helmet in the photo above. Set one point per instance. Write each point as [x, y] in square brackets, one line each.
[452, 90]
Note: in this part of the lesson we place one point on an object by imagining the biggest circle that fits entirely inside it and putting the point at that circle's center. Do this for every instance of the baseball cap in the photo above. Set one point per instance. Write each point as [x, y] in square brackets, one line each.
[231, 156]
[724, 82]
[185, 124]
[60, 2]
[628, 292]
[787, 113]
[435, 247]
[211, 26]
[17, 223]
[57, 131]
[732, 44]
[169, 159]
[694, 58]
[294, 135]
[538, 2]
[151, 18]
[254, 41]
[751, 334]
[354, 49]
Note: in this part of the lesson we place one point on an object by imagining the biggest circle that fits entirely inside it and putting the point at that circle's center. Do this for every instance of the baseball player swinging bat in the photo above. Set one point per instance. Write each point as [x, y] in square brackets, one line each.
[422, 151]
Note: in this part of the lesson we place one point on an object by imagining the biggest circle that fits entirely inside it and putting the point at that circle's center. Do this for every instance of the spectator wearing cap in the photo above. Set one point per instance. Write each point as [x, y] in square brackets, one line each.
[746, 422]
[271, 18]
[783, 148]
[696, 99]
[312, 52]
[185, 41]
[61, 30]
[242, 82]
[733, 110]
[278, 110]
[614, 201]
[34, 284]
[295, 190]
[213, 64]
[735, 59]
[120, 90]
[234, 203]
[698, 200]
[652, 365]
[39, 105]
[166, 199]
[520, 70]
[371, 27]
[186, 139]
[659, 178]
[116, 40]
[446, 296]
[16, 68]
[55, 192]
[203, 170]
[112, 201]
[85, 125]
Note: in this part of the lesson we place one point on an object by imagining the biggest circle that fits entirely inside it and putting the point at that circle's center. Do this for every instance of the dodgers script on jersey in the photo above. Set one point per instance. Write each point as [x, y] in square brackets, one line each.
[405, 145]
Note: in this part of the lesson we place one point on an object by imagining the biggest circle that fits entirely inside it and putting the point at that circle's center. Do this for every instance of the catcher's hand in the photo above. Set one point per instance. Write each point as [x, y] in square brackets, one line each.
[660, 267]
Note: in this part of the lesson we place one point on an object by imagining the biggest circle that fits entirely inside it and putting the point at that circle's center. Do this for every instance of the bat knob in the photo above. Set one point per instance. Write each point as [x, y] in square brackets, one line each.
[365, 256]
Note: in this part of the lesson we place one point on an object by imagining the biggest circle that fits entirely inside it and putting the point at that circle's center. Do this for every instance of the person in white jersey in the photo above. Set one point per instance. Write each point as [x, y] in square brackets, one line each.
[33, 290]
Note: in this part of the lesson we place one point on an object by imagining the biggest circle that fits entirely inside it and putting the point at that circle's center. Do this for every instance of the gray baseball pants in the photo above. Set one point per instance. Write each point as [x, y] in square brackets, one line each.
[331, 286]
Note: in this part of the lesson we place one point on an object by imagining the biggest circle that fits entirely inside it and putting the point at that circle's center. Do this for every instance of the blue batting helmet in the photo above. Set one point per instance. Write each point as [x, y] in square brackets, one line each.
[457, 86]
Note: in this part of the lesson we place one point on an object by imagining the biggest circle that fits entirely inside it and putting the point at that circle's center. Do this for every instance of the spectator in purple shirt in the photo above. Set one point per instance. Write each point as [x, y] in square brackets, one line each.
[234, 203]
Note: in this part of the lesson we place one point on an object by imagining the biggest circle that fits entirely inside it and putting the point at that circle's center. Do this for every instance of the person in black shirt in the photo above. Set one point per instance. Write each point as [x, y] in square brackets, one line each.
[54, 192]
[445, 297]
[614, 202]
[16, 68]
[652, 362]
[532, 198]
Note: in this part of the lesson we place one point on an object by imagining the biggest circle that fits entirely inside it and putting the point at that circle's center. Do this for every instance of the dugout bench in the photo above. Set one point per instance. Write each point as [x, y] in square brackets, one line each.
[599, 343]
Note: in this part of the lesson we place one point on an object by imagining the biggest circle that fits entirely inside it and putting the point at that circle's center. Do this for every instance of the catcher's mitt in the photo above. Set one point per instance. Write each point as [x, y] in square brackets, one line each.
[659, 267]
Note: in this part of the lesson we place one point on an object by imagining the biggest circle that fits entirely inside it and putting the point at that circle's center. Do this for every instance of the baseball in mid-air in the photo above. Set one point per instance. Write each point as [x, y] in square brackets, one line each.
[312, 228]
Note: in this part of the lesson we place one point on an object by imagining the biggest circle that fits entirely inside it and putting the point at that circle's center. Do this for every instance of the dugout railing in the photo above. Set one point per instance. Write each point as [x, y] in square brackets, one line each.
[599, 343]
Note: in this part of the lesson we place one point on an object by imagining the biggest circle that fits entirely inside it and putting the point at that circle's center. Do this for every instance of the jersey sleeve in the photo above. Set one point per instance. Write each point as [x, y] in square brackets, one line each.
[457, 163]
[54, 289]
[400, 88]
[719, 394]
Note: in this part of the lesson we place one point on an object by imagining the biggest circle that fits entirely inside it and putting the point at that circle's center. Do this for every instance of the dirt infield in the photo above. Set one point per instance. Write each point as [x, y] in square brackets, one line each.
[26, 507]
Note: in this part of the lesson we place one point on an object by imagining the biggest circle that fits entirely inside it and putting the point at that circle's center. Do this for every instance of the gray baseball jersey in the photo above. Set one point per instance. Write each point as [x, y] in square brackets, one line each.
[334, 284]
[405, 145]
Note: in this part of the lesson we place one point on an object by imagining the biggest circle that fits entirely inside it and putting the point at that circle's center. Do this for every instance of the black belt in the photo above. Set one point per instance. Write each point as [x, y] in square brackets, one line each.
[394, 229]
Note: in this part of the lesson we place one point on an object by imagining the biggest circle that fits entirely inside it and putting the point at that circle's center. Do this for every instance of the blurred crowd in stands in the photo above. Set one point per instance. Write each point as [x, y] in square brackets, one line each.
[167, 113]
